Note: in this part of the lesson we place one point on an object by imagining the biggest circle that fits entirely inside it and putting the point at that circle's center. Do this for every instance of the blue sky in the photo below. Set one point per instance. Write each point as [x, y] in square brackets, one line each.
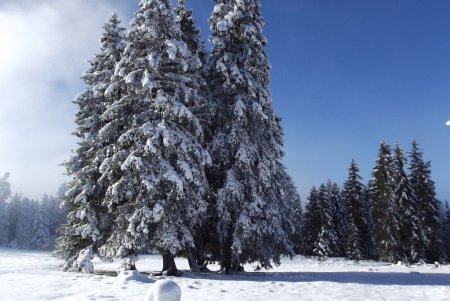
[345, 75]
[348, 74]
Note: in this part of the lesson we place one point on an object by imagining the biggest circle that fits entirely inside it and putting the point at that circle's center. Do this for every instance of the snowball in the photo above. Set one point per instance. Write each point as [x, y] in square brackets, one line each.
[126, 276]
[448, 123]
[164, 290]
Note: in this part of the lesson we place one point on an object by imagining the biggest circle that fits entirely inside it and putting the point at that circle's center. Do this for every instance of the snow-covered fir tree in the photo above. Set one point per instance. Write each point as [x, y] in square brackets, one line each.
[312, 222]
[40, 237]
[385, 211]
[411, 237]
[247, 145]
[83, 199]
[329, 242]
[159, 197]
[339, 217]
[357, 224]
[369, 248]
[5, 192]
[424, 190]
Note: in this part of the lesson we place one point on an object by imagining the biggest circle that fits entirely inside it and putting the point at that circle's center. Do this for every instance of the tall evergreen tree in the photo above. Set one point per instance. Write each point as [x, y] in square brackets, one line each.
[423, 187]
[5, 193]
[329, 242]
[339, 217]
[385, 212]
[247, 145]
[357, 223]
[311, 222]
[411, 243]
[159, 198]
[369, 248]
[84, 198]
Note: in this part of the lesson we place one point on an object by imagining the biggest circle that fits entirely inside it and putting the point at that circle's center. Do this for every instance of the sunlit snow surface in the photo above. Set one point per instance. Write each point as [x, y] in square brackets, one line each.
[36, 276]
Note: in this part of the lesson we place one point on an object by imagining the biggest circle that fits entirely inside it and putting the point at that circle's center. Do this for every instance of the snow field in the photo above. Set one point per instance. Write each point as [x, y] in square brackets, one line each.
[26, 275]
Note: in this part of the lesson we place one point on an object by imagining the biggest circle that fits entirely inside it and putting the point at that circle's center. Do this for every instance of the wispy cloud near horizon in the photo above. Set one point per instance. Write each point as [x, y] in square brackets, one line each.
[44, 47]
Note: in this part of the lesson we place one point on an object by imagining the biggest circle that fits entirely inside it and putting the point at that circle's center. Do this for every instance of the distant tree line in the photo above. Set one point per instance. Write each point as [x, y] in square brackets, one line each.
[396, 217]
[27, 223]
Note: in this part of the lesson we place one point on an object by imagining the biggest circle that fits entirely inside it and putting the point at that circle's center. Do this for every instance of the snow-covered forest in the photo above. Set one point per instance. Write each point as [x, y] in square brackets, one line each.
[27, 223]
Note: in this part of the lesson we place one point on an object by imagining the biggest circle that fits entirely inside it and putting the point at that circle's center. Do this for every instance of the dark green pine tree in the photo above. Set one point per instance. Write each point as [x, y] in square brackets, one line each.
[412, 240]
[385, 212]
[84, 197]
[247, 147]
[357, 223]
[423, 187]
[311, 223]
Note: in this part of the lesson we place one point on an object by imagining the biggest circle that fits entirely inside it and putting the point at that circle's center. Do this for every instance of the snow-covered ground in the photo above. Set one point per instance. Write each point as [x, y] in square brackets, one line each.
[36, 276]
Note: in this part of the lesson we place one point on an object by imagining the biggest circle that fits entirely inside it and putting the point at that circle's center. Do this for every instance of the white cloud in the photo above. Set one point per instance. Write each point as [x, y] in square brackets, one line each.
[44, 47]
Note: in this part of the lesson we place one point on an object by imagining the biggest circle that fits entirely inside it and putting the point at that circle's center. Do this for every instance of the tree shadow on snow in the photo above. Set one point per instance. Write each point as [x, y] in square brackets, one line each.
[372, 278]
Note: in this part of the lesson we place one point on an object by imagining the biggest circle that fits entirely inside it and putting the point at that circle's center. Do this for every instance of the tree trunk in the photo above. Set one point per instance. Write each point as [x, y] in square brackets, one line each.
[226, 256]
[169, 266]
[236, 266]
[196, 264]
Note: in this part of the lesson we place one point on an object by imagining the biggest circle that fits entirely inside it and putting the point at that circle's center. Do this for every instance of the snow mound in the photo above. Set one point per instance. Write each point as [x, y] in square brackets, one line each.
[126, 276]
[164, 290]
